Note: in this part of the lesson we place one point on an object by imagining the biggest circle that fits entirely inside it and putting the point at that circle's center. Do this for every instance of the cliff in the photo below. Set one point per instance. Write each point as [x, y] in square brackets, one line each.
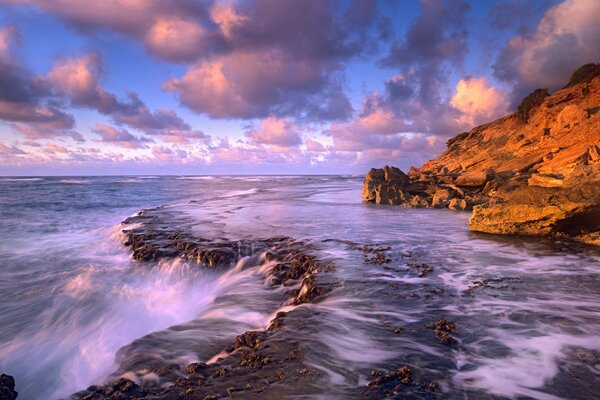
[533, 172]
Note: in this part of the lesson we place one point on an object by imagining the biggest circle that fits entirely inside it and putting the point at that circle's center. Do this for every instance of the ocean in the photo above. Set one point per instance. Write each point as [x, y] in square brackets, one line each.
[76, 309]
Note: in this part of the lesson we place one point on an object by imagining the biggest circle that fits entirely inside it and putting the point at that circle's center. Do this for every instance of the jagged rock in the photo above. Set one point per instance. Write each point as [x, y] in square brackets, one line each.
[385, 186]
[458, 204]
[7, 388]
[530, 102]
[393, 175]
[584, 74]
[442, 197]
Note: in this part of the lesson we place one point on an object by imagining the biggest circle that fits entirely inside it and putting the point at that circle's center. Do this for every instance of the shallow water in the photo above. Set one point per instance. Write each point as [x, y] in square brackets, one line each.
[76, 308]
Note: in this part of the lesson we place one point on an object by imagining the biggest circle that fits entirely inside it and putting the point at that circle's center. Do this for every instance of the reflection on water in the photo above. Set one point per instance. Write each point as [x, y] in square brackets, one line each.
[75, 307]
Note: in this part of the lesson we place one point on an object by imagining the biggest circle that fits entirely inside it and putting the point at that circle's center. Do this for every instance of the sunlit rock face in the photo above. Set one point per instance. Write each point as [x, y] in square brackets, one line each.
[534, 172]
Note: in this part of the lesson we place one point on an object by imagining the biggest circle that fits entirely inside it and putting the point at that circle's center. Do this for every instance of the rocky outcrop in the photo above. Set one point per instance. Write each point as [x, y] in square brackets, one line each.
[534, 172]
[7, 388]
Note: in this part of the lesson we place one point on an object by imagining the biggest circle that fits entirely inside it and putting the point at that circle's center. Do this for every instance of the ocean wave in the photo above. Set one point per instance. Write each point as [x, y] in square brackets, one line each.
[74, 181]
[20, 179]
[129, 180]
[236, 193]
[196, 178]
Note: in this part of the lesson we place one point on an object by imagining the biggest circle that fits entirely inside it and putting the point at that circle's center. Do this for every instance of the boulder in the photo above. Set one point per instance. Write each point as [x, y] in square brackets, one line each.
[545, 180]
[393, 175]
[458, 205]
[7, 388]
[442, 197]
[385, 186]
[392, 194]
[570, 116]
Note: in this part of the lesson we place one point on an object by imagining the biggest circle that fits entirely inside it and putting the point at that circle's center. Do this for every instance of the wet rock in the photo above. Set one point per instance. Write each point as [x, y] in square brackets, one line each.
[443, 329]
[422, 268]
[7, 388]
[251, 339]
[402, 375]
[195, 368]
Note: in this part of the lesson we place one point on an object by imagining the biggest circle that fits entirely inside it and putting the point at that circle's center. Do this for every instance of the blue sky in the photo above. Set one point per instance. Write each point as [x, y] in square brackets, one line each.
[300, 86]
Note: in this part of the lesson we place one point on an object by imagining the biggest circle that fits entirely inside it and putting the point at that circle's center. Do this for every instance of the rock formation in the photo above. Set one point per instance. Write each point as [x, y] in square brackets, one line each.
[7, 388]
[534, 172]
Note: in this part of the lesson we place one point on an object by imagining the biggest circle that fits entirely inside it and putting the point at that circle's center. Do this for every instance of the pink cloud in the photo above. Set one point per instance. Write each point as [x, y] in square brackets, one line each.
[248, 84]
[277, 132]
[10, 150]
[8, 36]
[76, 78]
[177, 39]
[120, 137]
[55, 148]
[313, 145]
[478, 102]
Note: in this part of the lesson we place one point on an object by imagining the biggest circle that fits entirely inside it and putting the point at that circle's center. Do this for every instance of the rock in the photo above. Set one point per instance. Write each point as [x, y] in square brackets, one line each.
[391, 195]
[590, 156]
[385, 186]
[545, 180]
[570, 116]
[393, 175]
[7, 388]
[473, 179]
[584, 74]
[458, 204]
[534, 172]
[419, 202]
[442, 197]
[530, 102]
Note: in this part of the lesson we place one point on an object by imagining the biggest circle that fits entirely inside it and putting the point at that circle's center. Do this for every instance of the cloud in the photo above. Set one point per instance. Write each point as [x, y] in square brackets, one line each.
[246, 59]
[10, 150]
[168, 154]
[251, 84]
[313, 145]
[437, 37]
[55, 148]
[478, 102]
[120, 137]
[25, 99]
[77, 79]
[566, 37]
[177, 39]
[8, 36]
[277, 132]
[132, 17]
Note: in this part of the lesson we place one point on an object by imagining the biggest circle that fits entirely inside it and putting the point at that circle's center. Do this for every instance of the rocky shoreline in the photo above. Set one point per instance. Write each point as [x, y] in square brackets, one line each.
[256, 361]
[534, 172]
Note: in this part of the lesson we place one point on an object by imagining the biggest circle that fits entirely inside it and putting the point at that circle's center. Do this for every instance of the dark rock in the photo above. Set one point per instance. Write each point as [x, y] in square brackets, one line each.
[584, 73]
[530, 102]
[7, 388]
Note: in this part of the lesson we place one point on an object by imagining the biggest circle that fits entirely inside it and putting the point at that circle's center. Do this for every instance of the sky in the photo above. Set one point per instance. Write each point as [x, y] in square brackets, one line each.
[269, 86]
